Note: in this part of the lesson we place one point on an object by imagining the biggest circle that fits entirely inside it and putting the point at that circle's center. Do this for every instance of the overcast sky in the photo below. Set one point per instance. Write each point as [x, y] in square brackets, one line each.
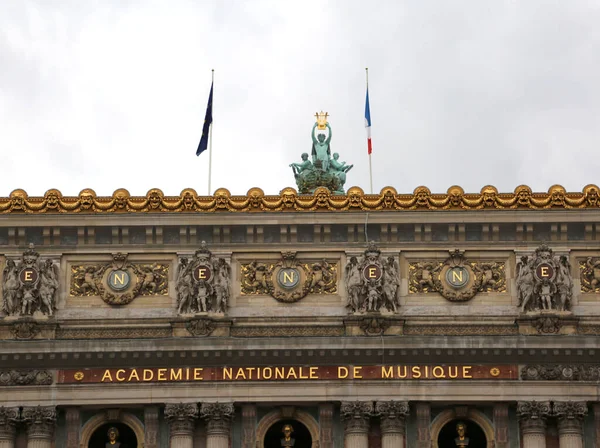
[109, 94]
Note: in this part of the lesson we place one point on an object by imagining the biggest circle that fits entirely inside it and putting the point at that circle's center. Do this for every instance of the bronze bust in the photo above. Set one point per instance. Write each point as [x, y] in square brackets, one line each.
[287, 440]
[113, 438]
[462, 440]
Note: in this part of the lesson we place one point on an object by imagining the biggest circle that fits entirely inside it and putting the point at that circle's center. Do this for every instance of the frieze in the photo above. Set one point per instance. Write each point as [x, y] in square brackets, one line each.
[589, 270]
[286, 331]
[289, 279]
[457, 279]
[30, 285]
[200, 327]
[25, 330]
[25, 378]
[461, 330]
[114, 333]
[255, 200]
[373, 326]
[561, 372]
[119, 282]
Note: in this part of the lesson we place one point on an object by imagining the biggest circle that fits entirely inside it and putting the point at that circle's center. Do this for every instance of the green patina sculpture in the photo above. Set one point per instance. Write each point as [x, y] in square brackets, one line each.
[323, 171]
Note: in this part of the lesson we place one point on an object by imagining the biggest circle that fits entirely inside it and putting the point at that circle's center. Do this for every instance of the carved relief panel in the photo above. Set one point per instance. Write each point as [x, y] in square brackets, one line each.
[289, 280]
[119, 281]
[457, 279]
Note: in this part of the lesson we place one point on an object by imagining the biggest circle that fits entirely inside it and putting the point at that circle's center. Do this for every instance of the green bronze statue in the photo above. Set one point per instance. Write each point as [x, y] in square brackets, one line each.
[323, 171]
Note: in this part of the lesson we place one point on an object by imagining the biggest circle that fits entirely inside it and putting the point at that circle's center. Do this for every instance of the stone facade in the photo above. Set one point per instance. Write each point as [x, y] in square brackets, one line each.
[214, 328]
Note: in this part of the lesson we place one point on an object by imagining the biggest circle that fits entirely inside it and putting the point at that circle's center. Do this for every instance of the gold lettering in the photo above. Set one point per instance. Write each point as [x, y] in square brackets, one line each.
[250, 372]
[288, 277]
[176, 374]
[292, 372]
[162, 375]
[269, 371]
[303, 377]
[457, 276]
[134, 374]
[455, 374]
[313, 373]
[403, 374]
[279, 373]
[389, 373]
[466, 372]
[120, 280]
[342, 372]
[28, 276]
[118, 375]
[201, 272]
[544, 271]
[148, 375]
[187, 374]
[426, 371]
[198, 374]
[107, 375]
[372, 272]
[227, 373]
[416, 372]
[440, 371]
[240, 374]
[357, 372]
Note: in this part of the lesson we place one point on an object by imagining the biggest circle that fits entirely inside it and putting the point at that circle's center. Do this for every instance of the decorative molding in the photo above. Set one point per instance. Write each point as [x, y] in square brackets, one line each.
[356, 415]
[200, 327]
[532, 416]
[326, 412]
[25, 330]
[114, 333]
[181, 417]
[218, 417]
[548, 324]
[460, 330]
[392, 415]
[570, 410]
[151, 427]
[9, 417]
[287, 331]
[374, 326]
[249, 426]
[40, 421]
[561, 372]
[25, 378]
[523, 198]
[589, 275]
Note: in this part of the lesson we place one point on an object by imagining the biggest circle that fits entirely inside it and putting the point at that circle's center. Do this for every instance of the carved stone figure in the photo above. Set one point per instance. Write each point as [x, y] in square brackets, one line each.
[30, 285]
[289, 279]
[324, 171]
[119, 281]
[372, 283]
[203, 283]
[544, 281]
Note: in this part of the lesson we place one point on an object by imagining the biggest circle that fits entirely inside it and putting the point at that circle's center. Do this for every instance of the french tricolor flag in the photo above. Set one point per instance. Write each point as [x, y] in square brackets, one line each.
[368, 123]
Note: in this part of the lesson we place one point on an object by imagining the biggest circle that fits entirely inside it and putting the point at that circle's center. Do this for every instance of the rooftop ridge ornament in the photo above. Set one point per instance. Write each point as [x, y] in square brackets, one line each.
[325, 170]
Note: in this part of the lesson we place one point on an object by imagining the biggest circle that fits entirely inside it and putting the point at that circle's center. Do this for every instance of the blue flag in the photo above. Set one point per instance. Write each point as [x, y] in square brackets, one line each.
[205, 128]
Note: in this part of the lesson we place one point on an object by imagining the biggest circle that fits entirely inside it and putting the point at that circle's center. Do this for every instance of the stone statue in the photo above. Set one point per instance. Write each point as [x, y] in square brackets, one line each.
[30, 285]
[323, 171]
[203, 283]
[113, 438]
[287, 439]
[372, 283]
[544, 281]
[462, 440]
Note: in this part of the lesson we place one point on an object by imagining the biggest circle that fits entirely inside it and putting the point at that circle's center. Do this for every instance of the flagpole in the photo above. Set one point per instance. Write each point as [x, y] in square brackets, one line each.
[210, 140]
[370, 165]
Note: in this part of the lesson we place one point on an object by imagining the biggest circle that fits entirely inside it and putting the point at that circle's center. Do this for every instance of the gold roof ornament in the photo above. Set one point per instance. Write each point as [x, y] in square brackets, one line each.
[388, 199]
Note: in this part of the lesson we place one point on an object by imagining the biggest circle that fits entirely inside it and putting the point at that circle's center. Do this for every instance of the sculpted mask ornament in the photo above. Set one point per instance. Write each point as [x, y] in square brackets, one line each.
[188, 200]
[86, 199]
[456, 279]
[30, 285]
[372, 282]
[544, 281]
[523, 193]
[121, 197]
[557, 195]
[203, 283]
[455, 195]
[289, 280]
[489, 195]
[119, 282]
[155, 199]
[592, 195]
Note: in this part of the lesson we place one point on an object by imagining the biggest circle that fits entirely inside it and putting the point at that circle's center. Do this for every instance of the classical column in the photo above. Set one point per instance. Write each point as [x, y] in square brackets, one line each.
[392, 415]
[501, 425]
[73, 418]
[532, 417]
[151, 439]
[40, 423]
[249, 426]
[218, 418]
[181, 418]
[570, 416]
[356, 416]
[326, 425]
[423, 412]
[8, 420]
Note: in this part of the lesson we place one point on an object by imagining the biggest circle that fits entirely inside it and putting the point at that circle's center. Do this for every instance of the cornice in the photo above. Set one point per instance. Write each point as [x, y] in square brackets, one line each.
[388, 199]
